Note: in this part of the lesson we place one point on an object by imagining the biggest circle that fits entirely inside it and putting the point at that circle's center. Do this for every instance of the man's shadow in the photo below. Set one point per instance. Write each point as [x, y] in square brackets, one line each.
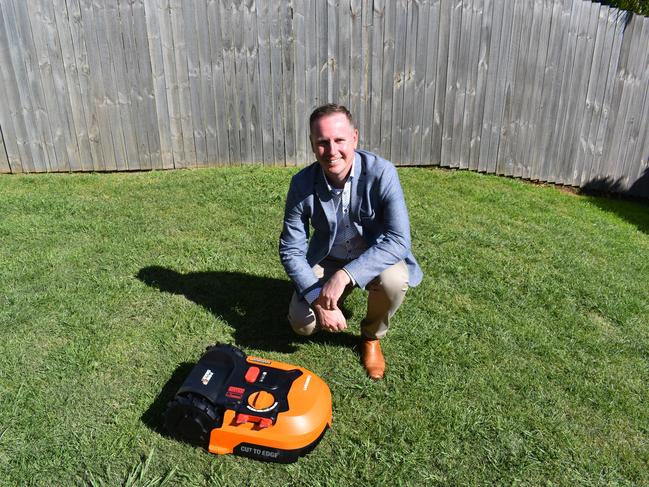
[254, 306]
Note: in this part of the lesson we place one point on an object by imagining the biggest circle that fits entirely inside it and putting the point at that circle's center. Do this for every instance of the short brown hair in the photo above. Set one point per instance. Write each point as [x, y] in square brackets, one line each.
[329, 109]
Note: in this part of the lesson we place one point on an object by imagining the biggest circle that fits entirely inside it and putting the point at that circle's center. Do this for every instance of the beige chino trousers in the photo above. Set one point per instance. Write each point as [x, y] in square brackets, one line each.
[385, 294]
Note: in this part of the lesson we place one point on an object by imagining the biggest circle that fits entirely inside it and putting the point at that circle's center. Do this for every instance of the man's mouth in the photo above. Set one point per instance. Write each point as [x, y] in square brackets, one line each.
[333, 161]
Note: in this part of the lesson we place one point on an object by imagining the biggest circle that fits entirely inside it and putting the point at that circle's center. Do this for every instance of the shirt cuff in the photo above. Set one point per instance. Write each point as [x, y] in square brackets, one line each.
[312, 295]
[351, 278]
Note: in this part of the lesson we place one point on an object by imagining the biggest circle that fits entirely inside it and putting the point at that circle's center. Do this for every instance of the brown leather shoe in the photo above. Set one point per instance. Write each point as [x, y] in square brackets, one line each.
[372, 358]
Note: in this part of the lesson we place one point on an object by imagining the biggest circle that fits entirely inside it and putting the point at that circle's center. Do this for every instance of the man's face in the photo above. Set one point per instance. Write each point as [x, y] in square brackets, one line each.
[333, 140]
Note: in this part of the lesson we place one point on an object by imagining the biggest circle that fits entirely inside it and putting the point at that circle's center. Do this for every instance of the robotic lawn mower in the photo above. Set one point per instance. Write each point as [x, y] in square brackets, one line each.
[267, 410]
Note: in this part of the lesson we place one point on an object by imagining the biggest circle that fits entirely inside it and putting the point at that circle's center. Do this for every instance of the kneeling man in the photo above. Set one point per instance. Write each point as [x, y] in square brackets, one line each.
[354, 203]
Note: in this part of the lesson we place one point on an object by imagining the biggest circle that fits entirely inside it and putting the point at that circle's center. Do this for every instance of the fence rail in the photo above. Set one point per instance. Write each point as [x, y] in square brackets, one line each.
[549, 90]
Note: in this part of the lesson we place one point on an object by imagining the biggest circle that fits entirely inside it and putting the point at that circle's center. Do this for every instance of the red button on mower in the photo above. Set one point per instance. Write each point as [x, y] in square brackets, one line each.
[222, 406]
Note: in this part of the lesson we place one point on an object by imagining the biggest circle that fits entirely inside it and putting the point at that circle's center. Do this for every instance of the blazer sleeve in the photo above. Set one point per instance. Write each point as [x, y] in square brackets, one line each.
[293, 241]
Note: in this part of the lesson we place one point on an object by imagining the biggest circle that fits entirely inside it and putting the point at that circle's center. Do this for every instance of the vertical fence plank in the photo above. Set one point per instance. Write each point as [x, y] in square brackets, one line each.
[321, 35]
[195, 89]
[252, 66]
[503, 77]
[618, 22]
[311, 100]
[112, 55]
[594, 96]
[301, 80]
[356, 70]
[277, 82]
[63, 23]
[155, 60]
[343, 51]
[173, 97]
[636, 182]
[452, 81]
[134, 80]
[118, 40]
[484, 11]
[387, 77]
[8, 92]
[589, 53]
[471, 18]
[567, 92]
[84, 95]
[425, 80]
[491, 84]
[578, 86]
[410, 129]
[376, 86]
[45, 158]
[551, 88]
[230, 102]
[145, 84]
[620, 99]
[98, 24]
[520, 110]
[52, 58]
[218, 80]
[398, 80]
[288, 81]
[99, 105]
[14, 77]
[206, 84]
[537, 71]
[636, 94]
[364, 115]
[180, 59]
[331, 40]
[265, 84]
[508, 130]
[441, 80]
[244, 122]
[241, 75]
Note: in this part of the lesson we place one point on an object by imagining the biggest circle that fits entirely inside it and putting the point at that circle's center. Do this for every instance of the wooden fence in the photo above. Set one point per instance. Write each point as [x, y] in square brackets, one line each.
[549, 90]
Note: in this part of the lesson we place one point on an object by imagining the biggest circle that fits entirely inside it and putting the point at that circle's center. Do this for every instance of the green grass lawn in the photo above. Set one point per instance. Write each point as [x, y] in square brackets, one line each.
[522, 358]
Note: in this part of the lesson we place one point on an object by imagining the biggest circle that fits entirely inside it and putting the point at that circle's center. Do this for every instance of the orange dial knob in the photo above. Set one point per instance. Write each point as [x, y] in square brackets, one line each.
[261, 400]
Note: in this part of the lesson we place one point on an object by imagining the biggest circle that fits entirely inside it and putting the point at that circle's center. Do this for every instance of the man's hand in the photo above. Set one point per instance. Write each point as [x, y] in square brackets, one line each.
[333, 290]
[330, 320]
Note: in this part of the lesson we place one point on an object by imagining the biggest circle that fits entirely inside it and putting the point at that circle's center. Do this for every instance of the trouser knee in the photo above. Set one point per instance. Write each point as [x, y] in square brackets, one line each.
[393, 282]
[301, 317]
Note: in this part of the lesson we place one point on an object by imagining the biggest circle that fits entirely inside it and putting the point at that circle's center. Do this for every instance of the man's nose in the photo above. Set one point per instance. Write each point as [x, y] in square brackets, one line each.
[330, 147]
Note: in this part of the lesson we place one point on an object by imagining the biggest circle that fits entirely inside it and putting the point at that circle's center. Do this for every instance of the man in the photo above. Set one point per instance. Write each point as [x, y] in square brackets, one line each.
[361, 236]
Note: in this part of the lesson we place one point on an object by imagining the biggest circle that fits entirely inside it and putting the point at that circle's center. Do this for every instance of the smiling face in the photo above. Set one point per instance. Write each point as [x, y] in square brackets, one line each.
[333, 140]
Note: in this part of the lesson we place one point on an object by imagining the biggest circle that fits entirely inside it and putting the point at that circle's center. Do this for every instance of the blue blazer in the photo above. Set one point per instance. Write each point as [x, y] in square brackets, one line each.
[378, 210]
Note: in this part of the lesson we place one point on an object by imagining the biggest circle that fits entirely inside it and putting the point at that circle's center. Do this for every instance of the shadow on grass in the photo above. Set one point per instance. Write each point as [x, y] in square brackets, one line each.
[254, 306]
[632, 204]
[153, 417]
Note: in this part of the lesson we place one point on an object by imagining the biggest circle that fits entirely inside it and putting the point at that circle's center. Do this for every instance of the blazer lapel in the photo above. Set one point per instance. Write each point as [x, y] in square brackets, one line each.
[358, 188]
[324, 195]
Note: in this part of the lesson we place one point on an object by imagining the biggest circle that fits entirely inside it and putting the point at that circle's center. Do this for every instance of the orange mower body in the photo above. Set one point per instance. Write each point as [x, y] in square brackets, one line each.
[250, 406]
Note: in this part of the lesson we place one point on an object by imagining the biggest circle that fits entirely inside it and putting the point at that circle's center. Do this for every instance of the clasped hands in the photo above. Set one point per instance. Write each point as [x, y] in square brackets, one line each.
[325, 307]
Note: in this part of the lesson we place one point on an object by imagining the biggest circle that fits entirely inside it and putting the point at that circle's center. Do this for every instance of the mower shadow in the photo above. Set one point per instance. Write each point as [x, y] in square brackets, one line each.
[254, 306]
[153, 417]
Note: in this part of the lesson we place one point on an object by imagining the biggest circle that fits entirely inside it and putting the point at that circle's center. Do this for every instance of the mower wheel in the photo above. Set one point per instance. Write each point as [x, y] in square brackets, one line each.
[191, 418]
